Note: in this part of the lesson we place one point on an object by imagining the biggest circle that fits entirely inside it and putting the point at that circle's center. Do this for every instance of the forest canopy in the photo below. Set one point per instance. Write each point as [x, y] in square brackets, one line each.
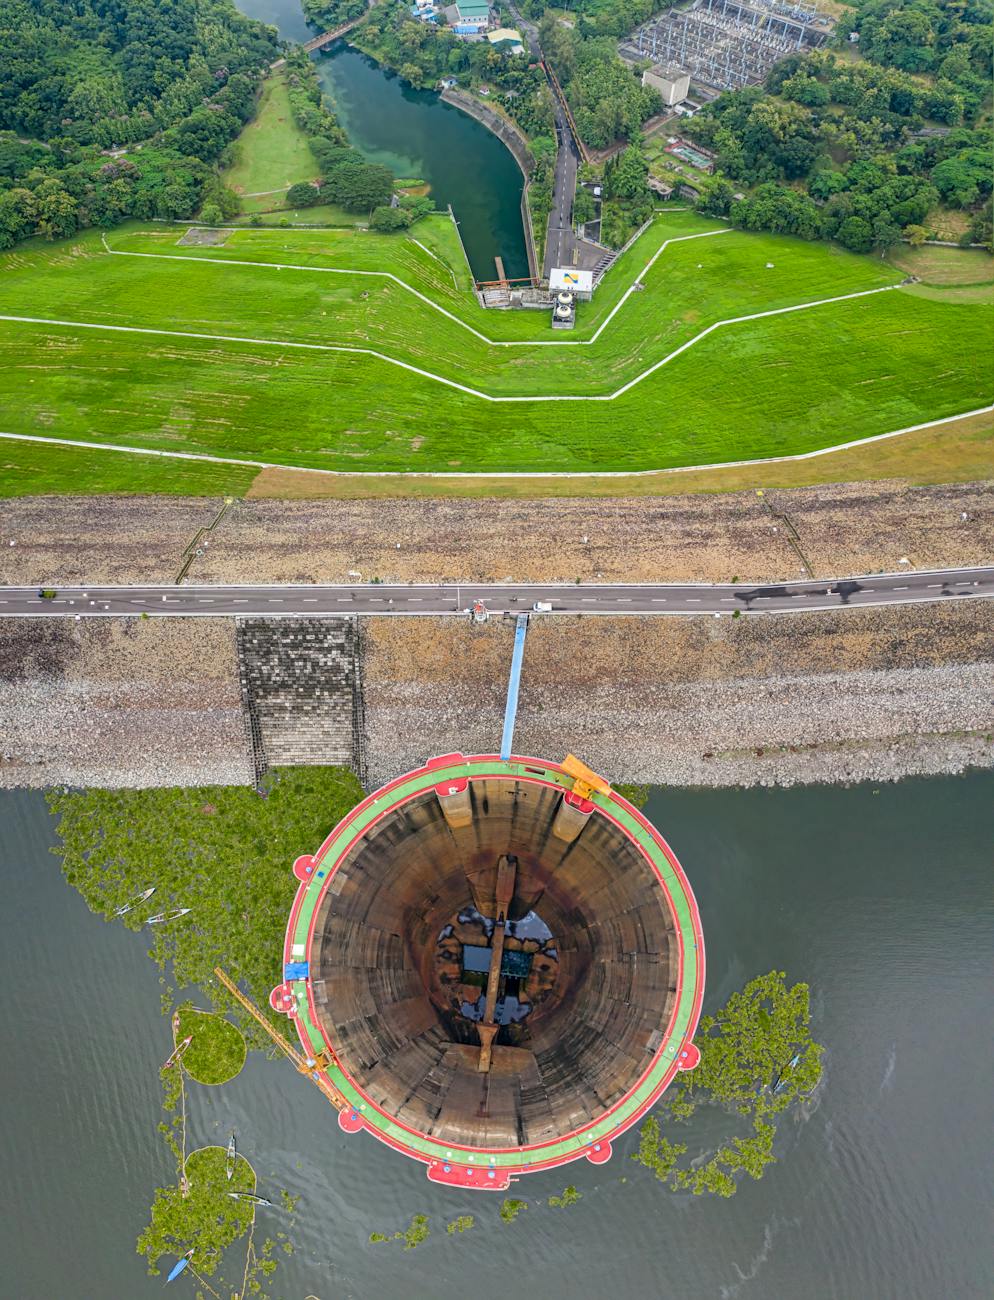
[110, 110]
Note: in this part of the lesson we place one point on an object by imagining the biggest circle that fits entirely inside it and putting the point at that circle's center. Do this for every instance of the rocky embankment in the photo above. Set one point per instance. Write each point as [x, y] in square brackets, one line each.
[856, 695]
[120, 702]
[831, 531]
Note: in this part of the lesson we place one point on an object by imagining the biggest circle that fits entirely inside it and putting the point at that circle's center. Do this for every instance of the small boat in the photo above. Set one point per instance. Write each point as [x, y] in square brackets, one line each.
[167, 916]
[791, 1064]
[229, 1163]
[251, 1197]
[179, 1266]
[178, 1051]
[139, 898]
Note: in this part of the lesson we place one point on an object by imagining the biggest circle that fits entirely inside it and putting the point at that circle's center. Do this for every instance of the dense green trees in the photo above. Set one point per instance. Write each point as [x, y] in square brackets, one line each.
[835, 150]
[115, 111]
[606, 98]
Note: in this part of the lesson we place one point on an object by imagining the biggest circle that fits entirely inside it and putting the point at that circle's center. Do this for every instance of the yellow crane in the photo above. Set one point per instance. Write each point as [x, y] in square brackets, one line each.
[310, 1066]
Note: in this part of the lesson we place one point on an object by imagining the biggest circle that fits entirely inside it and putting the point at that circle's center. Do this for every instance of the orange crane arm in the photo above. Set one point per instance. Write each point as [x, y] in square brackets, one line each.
[585, 779]
[310, 1068]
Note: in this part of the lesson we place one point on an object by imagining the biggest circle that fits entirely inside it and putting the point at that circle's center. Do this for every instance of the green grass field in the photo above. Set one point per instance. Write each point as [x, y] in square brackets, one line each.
[272, 152]
[274, 389]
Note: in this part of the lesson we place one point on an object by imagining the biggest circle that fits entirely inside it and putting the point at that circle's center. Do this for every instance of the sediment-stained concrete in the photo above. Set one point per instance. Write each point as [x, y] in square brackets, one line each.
[120, 702]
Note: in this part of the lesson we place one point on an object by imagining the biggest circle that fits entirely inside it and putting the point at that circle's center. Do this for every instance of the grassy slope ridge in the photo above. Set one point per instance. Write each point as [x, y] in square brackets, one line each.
[272, 151]
[781, 385]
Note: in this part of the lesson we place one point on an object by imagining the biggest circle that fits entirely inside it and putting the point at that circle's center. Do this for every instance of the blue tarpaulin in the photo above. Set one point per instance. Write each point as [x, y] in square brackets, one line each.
[296, 970]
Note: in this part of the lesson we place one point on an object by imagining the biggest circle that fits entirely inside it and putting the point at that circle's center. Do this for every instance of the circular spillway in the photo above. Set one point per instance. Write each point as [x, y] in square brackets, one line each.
[502, 975]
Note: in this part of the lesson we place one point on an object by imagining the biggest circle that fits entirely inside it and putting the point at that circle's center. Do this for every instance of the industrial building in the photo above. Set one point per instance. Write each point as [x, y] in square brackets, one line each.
[726, 44]
[495, 965]
[673, 84]
[572, 280]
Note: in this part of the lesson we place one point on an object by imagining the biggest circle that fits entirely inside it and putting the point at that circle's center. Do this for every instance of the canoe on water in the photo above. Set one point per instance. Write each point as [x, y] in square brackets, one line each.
[138, 898]
[229, 1164]
[167, 916]
[178, 1051]
[781, 1079]
[249, 1196]
[179, 1266]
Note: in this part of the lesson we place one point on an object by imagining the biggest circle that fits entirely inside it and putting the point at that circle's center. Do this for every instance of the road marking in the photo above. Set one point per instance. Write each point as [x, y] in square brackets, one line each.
[727, 599]
[310, 600]
[693, 600]
[239, 602]
[899, 588]
[933, 586]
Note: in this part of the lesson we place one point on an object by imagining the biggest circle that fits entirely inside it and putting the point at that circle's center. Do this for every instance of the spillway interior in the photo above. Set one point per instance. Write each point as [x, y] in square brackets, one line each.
[590, 962]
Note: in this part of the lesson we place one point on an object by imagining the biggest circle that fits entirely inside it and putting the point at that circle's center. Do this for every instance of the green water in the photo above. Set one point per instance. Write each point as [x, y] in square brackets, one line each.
[879, 899]
[415, 134]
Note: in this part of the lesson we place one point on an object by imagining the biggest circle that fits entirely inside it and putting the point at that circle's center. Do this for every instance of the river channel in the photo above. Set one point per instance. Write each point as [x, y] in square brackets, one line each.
[415, 134]
[879, 898]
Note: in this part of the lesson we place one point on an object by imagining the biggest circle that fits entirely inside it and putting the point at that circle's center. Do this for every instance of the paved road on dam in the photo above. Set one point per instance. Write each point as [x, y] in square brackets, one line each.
[459, 598]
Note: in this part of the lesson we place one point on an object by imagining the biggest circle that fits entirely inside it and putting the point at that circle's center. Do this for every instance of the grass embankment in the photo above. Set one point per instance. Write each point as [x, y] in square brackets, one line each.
[779, 385]
[272, 152]
[217, 1052]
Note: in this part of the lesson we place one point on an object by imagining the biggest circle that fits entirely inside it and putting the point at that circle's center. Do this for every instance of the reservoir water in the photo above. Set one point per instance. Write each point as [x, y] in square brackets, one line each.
[415, 134]
[879, 898]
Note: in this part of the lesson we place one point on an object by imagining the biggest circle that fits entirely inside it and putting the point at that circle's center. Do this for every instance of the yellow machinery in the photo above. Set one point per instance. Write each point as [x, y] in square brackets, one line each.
[585, 779]
[310, 1067]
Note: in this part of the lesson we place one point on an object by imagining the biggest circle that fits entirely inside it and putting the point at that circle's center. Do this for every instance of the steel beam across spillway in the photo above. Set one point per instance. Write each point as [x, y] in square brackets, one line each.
[588, 1140]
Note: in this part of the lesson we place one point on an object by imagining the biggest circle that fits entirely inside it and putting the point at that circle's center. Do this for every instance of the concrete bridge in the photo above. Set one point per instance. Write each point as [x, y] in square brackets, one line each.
[325, 38]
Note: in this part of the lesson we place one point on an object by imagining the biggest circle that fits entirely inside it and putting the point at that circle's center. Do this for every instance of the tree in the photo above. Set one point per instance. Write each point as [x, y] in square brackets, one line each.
[626, 178]
[387, 219]
[210, 214]
[303, 195]
[886, 232]
[915, 235]
[856, 234]
[57, 210]
[716, 196]
[357, 185]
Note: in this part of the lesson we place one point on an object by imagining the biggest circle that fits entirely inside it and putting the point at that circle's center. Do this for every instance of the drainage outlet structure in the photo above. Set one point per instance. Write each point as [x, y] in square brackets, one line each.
[496, 965]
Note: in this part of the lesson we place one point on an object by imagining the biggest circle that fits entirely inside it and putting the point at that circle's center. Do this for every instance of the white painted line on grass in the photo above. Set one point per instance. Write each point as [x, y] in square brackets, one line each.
[499, 474]
[441, 379]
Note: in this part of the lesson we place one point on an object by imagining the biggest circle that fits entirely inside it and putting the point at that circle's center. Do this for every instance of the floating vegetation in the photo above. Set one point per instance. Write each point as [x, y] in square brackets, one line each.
[757, 1056]
[217, 1049]
[570, 1196]
[511, 1208]
[461, 1224]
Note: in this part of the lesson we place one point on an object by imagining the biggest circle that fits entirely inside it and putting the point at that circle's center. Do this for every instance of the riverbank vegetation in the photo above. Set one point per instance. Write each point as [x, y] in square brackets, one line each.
[773, 385]
[869, 151]
[757, 1059]
[106, 115]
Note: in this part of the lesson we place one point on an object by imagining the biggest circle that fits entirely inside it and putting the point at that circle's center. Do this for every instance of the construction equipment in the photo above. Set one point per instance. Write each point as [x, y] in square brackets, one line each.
[585, 779]
[313, 1066]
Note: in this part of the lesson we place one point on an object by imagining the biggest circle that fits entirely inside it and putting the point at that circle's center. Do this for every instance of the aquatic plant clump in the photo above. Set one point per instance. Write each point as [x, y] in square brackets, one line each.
[199, 1213]
[217, 1049]
[757, 1057]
